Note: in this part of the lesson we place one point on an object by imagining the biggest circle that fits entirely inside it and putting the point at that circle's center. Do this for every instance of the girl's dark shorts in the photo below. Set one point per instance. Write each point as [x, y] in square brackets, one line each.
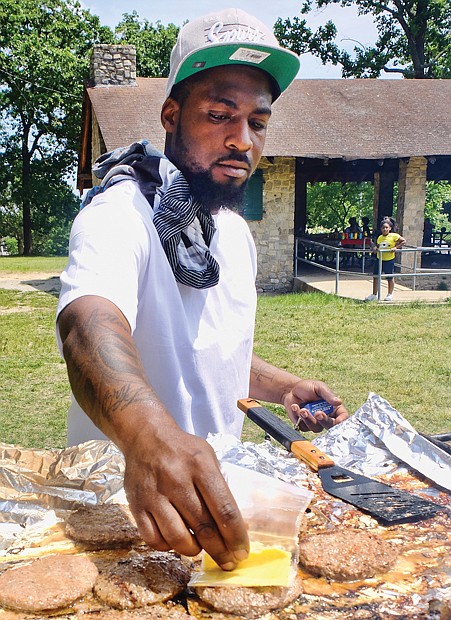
[388, 267]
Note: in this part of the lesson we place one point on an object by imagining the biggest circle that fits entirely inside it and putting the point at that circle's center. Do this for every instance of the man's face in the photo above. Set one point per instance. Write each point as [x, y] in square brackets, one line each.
[216, 136]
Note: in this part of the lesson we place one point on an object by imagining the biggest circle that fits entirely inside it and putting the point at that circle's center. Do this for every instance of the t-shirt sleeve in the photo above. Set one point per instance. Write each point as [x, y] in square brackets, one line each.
[108, 250]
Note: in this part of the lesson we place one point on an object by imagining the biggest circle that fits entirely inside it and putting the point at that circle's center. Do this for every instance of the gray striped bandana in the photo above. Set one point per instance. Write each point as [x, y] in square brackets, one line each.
[184, 226]
[186, 230]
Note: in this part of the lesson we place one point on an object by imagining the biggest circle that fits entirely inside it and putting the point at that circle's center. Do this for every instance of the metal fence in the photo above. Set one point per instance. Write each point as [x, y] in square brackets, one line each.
[345, 261]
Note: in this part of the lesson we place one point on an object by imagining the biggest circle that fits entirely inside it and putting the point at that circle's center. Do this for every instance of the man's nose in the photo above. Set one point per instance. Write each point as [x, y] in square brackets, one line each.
[239, 137]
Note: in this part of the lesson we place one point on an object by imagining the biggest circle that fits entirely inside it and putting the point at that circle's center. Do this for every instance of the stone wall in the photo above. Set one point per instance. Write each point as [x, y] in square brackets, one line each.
[113, 65]
[274, 234]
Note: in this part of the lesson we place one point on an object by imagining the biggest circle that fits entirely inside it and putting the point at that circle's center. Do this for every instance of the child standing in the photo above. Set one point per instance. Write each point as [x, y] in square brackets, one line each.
[387, 243]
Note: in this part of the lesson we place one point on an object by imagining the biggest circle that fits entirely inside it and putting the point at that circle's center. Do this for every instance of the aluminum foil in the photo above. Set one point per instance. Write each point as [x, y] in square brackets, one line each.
[265, 458]
[377, 440]
[34, 481]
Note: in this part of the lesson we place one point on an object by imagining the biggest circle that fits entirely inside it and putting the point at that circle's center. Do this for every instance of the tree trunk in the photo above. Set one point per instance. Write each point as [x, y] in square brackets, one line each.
[26, 200]
[26, 222]
[416, 43]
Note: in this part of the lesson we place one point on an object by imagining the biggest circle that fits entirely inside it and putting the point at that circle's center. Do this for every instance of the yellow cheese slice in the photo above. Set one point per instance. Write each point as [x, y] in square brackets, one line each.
[265, 566]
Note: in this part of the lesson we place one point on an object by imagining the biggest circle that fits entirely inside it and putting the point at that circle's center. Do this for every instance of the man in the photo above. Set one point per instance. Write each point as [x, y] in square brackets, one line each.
[157, 309]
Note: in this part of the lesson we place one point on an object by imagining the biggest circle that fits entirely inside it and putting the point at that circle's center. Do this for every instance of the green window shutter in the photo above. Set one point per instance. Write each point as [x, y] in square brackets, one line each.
[253, 198]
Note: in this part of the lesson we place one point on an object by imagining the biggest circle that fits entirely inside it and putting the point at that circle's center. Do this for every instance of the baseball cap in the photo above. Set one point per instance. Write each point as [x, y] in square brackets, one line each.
[230, 37]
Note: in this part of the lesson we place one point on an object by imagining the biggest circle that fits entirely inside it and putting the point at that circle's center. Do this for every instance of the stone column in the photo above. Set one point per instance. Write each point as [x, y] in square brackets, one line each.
[411, 201]
[274, 234]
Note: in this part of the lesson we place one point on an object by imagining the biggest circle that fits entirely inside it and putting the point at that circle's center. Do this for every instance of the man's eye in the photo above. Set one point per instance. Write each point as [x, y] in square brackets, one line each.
[258, 125]
[218, 117]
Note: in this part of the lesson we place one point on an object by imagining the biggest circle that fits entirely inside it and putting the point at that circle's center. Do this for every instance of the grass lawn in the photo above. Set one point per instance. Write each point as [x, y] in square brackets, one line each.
[399, 352]
[22, 264]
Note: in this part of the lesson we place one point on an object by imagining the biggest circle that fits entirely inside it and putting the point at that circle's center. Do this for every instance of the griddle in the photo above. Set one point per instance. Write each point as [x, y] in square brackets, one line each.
[387, 504]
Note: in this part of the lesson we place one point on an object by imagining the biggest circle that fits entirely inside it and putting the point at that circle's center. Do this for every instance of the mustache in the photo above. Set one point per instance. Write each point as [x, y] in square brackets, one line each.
[236, 157]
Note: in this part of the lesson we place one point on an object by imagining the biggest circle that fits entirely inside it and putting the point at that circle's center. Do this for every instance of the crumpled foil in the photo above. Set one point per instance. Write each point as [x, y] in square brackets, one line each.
[377, 440]
[265, 458]
[34, 481]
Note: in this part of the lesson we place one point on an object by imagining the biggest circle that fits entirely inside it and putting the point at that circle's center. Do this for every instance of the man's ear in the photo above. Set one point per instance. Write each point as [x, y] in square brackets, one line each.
[170, 114]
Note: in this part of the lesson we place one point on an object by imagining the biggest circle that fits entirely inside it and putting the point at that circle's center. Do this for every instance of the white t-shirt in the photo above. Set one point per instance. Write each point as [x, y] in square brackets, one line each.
[196, 345]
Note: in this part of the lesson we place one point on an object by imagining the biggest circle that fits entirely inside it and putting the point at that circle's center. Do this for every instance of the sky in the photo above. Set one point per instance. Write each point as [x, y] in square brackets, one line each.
[351, 27]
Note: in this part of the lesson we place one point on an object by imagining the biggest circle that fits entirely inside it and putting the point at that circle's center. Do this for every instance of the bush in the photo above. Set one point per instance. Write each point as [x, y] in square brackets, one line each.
[12, 247]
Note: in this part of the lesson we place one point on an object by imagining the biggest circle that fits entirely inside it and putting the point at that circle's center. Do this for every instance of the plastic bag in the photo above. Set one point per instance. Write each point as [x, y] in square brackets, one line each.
[272, 510]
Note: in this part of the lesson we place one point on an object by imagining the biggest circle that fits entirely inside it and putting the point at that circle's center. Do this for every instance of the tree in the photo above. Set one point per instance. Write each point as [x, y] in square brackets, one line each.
[330, 205]
[43, 62]
[437, 195]
[414, 38]
[153, 43]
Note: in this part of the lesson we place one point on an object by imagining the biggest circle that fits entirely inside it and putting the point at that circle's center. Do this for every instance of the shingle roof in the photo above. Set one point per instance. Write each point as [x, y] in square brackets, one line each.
[350, 119]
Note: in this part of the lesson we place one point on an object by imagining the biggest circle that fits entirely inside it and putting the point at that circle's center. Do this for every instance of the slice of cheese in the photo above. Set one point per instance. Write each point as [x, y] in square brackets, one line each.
[265, 566]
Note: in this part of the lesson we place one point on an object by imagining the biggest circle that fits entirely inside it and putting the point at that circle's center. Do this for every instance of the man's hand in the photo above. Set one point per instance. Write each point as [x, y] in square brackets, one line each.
[274, 385]
[306, 391]
[180, 499]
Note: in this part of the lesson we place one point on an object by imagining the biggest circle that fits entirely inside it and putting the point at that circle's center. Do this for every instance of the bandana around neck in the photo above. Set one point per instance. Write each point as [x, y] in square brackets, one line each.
[184, 226]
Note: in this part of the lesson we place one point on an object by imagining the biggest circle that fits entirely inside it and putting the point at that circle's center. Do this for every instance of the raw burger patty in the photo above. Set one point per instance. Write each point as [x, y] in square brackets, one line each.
[249, 602]
[103, 526]
[144, 579]
[47, 583]
[346, 555]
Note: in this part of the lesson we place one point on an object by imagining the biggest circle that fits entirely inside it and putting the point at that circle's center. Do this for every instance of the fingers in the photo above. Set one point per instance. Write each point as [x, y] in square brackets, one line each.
[319, 421]
[308, 422]
[188, 506]
[230, 525]
[306, 391]
[170, 527]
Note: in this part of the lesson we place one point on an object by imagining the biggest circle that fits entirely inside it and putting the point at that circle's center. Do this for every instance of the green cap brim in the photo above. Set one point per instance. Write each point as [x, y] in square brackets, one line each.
[282, 65]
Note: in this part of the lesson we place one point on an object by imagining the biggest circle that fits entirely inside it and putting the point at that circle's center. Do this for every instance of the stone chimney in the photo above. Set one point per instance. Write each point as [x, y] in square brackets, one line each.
[113, 65]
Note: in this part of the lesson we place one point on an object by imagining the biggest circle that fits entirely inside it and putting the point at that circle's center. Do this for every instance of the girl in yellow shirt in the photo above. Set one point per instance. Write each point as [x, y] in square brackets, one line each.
[386, 245]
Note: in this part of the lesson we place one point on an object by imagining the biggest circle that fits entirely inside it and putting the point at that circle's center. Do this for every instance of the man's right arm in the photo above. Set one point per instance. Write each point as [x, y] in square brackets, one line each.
[172, 479]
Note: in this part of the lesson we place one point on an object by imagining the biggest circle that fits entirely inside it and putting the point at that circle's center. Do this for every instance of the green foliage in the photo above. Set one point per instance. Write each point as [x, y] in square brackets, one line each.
[43, 63]
[153, 43]
[436, 195]
[414, 38]
[330, 205]
[12, 247]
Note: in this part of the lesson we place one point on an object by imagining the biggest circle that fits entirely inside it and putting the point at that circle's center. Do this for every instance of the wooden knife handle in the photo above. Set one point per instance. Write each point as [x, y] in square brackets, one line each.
[310, 454]
[285, 434]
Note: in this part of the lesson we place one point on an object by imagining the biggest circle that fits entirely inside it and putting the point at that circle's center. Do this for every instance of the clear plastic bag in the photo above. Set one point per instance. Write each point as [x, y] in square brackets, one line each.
[272, 510]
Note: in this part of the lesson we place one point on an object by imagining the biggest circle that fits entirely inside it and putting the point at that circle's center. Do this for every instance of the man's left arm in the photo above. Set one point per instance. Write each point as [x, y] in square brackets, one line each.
[274, 385]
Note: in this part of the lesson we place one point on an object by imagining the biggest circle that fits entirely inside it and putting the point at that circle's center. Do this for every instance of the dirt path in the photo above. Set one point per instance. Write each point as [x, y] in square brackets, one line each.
[33, 281]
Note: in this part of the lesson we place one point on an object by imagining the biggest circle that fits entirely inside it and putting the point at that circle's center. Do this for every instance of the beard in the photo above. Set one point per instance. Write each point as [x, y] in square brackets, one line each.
[205, 189]
[214, 195]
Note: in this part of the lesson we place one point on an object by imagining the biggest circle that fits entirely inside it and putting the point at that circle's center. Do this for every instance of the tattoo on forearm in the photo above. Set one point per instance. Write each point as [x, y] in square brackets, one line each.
[106, 368]
[263, 371]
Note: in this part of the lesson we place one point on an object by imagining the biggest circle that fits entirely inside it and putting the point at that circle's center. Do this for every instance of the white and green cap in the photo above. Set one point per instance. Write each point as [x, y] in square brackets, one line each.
[230, 37]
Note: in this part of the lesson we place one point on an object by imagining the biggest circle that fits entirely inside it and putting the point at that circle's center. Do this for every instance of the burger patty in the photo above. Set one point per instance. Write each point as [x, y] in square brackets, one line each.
[103, 526]
[249, 602]
[47, 583]
[143, 579]
[346, 555]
